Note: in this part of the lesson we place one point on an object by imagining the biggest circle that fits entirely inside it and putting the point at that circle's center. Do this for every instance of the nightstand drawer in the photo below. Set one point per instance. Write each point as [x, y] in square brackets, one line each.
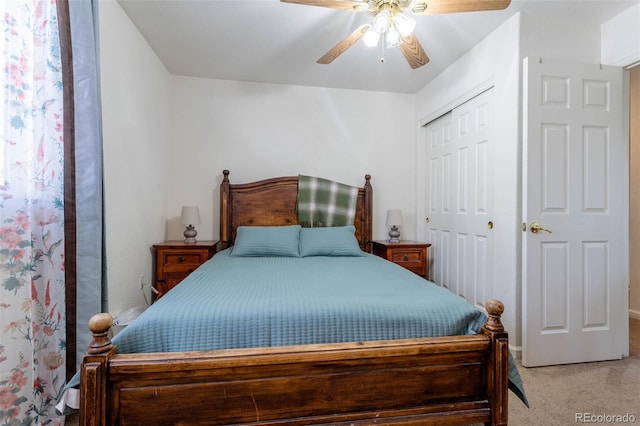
[183, 260]
[407, 256]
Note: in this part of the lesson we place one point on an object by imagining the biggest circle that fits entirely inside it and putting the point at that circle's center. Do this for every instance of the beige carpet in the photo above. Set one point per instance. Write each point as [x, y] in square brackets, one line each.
[558, 393]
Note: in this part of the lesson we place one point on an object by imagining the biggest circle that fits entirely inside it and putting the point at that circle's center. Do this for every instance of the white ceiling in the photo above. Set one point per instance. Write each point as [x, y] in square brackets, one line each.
[272, 42]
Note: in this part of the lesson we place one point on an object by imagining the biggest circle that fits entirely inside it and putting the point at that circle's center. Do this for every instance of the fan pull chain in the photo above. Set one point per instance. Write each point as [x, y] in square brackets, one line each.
[384, 36]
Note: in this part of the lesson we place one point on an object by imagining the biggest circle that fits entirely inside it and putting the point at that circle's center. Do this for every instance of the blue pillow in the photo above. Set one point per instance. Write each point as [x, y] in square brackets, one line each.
[330, 241]
[263, 241]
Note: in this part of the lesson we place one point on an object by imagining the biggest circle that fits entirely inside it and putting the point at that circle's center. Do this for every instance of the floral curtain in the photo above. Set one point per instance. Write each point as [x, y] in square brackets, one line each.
[32, 287]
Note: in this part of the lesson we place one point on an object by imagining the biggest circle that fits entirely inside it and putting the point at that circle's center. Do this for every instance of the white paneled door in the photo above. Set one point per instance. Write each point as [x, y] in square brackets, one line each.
[459, 199]
[575, 233]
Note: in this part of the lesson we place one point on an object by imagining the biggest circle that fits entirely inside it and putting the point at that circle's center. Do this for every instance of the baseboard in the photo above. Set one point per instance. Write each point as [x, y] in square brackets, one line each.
[516, 351]
[634, 314]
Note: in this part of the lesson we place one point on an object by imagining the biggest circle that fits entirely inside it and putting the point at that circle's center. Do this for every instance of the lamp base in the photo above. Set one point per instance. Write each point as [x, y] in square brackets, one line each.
[190, 235]
[394, 235]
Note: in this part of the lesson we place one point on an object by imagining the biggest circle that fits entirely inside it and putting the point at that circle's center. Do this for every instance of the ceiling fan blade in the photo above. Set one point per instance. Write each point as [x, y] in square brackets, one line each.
[342, 46]
[413, 51]
[434, 7]
[333, 4]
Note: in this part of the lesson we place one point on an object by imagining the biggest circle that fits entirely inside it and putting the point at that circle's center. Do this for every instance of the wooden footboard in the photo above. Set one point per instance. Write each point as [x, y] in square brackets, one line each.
[444, 380]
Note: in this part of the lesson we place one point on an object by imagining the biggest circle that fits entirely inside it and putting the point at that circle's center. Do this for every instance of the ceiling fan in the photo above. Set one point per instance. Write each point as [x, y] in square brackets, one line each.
[393, 24]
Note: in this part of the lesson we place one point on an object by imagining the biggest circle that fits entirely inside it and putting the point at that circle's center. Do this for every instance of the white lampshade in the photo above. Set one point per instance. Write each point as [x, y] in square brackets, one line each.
[394, 217]
[190, 215]
[405, 24]
[371, 37]
[381, 22]
[393, 38]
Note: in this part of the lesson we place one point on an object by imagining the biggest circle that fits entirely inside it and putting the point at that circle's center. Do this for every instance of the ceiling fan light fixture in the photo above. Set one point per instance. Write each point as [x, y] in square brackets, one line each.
[371, 37]
[404, 23]
[381, 22]
[393, 37]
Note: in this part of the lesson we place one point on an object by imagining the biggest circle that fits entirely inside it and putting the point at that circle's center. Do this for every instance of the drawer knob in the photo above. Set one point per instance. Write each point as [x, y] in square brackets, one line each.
[181, 259]
[406, 257]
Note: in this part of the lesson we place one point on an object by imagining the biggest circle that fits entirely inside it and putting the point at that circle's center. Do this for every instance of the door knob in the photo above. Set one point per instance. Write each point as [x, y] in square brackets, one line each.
[536, 227]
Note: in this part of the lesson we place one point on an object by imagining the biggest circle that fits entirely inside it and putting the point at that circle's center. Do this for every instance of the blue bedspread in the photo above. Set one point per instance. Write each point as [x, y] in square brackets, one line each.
[236, 302]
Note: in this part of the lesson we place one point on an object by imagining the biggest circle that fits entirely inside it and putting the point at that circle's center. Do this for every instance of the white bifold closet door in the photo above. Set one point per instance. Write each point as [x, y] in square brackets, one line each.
[458, 203]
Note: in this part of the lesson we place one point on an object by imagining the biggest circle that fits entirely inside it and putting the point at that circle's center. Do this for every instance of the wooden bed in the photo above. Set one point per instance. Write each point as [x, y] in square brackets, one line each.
[443, 380]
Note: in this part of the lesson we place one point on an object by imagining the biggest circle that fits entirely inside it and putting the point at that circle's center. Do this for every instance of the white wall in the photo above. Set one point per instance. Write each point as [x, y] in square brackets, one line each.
[136, 130]
[557, 39]
[621, 38]
[259, 131]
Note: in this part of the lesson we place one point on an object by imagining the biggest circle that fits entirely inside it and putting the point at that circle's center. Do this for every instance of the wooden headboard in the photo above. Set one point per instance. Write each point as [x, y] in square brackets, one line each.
[272, 202]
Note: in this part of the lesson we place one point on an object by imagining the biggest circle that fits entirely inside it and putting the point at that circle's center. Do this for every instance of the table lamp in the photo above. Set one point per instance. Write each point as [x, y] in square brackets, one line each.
[394, 219]
[190, 216]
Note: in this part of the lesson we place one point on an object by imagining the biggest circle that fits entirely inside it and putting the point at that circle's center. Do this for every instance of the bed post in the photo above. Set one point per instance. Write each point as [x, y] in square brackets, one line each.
[93, 372]
[225, 225]
[498, 364]
[368, 213]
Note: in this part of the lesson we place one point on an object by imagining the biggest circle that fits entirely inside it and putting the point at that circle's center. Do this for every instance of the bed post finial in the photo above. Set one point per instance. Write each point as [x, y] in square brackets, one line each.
[99, 325]
[94, 372]
[494, 308]
[226, 175]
